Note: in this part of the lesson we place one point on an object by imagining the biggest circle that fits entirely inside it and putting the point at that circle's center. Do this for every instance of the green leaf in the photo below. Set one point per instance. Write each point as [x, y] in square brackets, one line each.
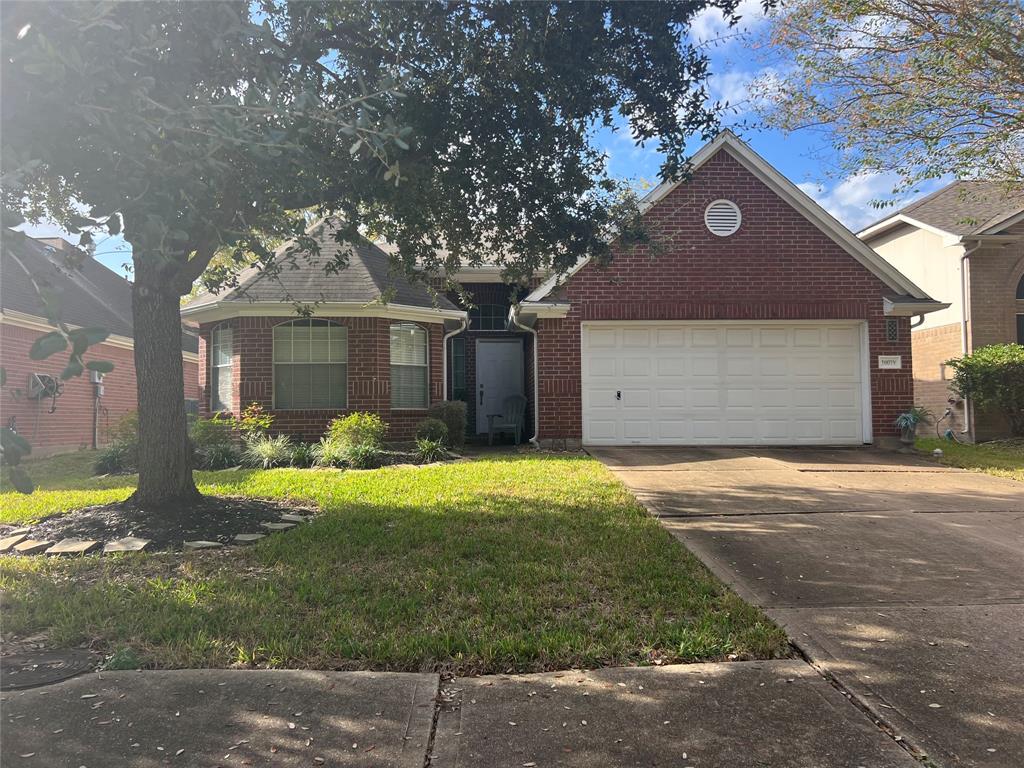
[95, 334]
[48, 344]
[100, 366]
[20, 480]
[74, 368]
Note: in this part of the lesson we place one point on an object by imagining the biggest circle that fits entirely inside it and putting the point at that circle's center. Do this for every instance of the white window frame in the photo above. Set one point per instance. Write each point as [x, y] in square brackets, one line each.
[215, 367]
[425, 366]
[274, 363]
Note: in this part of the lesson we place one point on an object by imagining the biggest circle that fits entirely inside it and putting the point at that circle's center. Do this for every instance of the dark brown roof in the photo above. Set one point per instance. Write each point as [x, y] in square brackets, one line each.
[966, 207]
[304, 278]
[88, 294]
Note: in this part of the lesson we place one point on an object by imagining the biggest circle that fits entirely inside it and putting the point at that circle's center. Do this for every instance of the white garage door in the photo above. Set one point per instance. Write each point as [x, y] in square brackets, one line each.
[721, 384]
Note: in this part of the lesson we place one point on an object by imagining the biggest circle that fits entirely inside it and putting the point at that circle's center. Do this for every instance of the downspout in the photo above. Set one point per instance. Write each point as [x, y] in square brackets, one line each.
[536, 389]
[964, 314]
[444, 356]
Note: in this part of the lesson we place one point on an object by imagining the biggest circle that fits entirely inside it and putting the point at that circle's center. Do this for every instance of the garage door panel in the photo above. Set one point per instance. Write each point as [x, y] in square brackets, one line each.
[722, 384]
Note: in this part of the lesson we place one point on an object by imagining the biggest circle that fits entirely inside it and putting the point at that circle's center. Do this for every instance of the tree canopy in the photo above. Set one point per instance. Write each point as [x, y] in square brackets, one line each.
[198, 127]
[917, 88]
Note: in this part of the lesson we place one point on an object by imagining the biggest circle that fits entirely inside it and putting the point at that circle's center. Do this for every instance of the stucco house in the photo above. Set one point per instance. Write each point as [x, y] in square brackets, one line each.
[55, 415]
[753, 318]
[964, 244]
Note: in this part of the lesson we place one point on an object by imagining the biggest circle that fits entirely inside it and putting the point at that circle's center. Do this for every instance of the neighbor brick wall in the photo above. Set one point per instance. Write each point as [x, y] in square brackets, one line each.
[69, 427]
[369, 374]
[778, 266]
[994, 273]
[932, 347]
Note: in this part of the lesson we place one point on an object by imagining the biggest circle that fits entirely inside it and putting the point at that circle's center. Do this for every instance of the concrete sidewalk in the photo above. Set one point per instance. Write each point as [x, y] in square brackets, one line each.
[773, 713]
[222, 718]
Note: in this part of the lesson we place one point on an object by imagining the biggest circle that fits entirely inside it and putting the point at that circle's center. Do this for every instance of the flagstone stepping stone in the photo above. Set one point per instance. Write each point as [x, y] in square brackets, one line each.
[32, 546]
[72, 547]
[294, 518]
[202, 544]
[127, 544]
[9, 541]
[249, 538]
[277, 526]
[16, 531]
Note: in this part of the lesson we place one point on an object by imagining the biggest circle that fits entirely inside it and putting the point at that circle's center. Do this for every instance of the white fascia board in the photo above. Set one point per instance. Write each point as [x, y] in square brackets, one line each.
[911, 308]
[902, 218]
[222, 310]
[555, 280]
[35, 323]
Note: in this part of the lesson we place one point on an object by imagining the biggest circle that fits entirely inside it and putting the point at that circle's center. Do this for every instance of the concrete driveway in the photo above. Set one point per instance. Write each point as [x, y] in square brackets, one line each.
[901, 580]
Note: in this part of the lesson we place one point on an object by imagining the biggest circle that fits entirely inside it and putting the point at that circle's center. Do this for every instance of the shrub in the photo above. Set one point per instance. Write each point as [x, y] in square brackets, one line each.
[126, 430]
[218, 456]
[993, 379]
[430, 450]
[267, 452]
[434, 430]
[358, 429]
[329, 453]
[362, 456]
[453, 414]
[303, 455]
[218, 430]
[254, 421]
[116, 458]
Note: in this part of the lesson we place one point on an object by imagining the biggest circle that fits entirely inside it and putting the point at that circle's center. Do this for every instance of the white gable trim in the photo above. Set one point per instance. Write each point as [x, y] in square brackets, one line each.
[789, 192]
[902, 218]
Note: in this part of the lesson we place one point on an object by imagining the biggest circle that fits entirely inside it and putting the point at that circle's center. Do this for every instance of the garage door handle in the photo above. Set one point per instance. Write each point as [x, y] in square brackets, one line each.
[618, 394]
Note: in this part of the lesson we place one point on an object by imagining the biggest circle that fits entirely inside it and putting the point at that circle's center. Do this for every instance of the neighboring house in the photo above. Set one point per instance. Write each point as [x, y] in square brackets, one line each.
[964, 245]
[755, 318]
[54, 415]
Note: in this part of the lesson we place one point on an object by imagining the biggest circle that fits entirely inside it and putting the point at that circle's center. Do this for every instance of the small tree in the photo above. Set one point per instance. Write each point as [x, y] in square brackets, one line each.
[916, 88]
[993, 379]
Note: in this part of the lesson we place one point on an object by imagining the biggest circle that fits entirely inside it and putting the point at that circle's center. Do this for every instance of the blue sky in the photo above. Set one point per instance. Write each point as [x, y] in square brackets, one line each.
[805, 156]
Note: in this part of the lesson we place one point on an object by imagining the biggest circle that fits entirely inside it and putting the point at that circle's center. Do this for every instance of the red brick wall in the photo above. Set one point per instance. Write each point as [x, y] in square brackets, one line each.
[69, 427]
[778, 266]
[369, 374]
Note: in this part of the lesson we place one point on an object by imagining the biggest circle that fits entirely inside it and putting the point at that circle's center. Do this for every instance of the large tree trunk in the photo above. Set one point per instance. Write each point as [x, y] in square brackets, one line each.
[165, 454]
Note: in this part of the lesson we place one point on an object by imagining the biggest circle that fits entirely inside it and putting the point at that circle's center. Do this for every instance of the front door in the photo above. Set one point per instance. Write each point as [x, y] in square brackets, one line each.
[499, 374]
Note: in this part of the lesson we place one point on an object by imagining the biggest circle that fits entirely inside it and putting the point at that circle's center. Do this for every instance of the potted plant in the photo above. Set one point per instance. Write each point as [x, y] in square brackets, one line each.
[907, 423]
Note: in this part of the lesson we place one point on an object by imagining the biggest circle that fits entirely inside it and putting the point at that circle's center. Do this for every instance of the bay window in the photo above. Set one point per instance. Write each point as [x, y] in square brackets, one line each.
[310, 365]
[409, 378]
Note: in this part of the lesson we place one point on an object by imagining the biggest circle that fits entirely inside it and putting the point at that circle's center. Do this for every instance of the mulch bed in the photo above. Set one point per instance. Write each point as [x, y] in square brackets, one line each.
[213, 518]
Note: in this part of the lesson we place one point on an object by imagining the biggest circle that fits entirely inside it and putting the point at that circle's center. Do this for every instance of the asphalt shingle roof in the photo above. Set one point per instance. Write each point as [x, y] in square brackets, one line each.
[966, 207]
[88, 295]
[303, 278]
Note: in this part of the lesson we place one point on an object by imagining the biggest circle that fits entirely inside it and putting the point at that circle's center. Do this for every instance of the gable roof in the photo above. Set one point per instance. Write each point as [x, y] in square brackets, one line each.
[89, 294]
[727, 141]
[961, 208]
[303, 279]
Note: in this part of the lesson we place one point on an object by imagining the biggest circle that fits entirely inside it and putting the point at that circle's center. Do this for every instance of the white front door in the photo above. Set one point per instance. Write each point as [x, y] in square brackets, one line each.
[499, 374]
[708, 383]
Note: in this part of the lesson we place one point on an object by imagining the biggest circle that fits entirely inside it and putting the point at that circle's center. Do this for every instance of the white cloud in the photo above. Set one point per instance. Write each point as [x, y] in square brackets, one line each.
[710, 24]
[850, 200]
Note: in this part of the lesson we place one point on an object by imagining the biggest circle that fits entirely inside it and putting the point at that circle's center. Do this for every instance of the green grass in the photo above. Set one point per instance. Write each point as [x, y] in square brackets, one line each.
[504, 563]
[1004, 458]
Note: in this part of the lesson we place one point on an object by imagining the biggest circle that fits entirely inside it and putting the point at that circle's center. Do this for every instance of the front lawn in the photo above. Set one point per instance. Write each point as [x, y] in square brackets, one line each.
[512, 562]
[1004, 458]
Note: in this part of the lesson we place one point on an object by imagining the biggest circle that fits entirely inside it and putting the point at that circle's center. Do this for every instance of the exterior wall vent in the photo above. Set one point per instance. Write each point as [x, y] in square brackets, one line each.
[722, 217]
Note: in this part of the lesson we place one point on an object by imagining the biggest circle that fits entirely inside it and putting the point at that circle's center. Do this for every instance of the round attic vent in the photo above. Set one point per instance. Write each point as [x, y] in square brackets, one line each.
[722, 217]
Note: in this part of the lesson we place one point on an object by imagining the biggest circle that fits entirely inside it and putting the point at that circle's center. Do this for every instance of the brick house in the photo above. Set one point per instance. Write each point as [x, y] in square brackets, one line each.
[57, 416]
[752, 318]
[965, 245]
